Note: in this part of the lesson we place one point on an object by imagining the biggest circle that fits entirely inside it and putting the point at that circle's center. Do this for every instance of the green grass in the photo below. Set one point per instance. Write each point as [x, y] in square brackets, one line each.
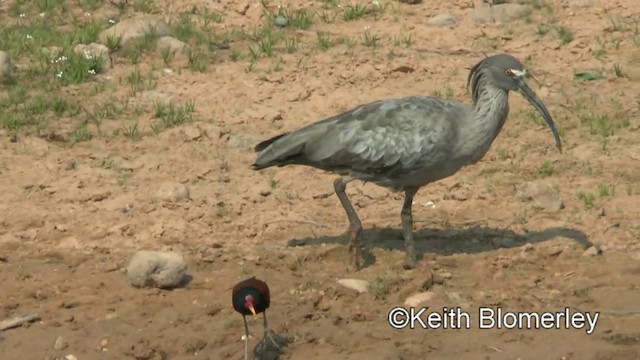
[355, 12]
[565, 34]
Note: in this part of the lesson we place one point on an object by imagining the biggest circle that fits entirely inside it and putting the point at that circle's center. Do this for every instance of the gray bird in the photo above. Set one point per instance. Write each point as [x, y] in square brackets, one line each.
[406, 143]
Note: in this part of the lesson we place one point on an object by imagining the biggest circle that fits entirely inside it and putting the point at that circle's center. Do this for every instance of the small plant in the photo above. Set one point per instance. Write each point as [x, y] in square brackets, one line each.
[565, 34]
[605, 190]
[354, 12]
[324, 41]
[402, 40]
[171, 116]
[546, 169]
[300, 19]
[328, 17]
[379, 287]
[369, 39]
[587, 198]
[132, 131]
[291, 45]
[617, 70]
[542, 29]
[198, 60]
[135, 80]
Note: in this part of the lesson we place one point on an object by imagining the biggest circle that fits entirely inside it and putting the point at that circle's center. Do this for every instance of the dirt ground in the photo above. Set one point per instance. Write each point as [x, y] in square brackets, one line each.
[73, 213]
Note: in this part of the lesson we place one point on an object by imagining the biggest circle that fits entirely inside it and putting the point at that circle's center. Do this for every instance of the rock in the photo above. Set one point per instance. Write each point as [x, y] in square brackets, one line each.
[418, 299]
[554, 250]
[360, 286]
[173, 192]
[134, 28]
[502, 13]
[191, 133]
[243, 7]
[578, 3]
[594, 250]
[159, 269]
[542, 195]
[173, 45]
[51, 52]
[155, 96]
[410, 2]
[7, 67]
[443, 20]
[60, 343]
[281, 21]
[94, 50]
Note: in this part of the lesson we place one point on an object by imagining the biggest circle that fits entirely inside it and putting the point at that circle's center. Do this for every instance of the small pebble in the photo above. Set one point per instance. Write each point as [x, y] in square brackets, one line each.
[360, 286]
[281, 21]
[418, 299]
[595, 250]
[60, 343]
[159, 269]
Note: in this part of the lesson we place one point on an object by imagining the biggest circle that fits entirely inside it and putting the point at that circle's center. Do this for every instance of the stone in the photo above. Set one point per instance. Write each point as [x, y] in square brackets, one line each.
[172, 192]
[7, 67]
[134, 28]
[164, 270]
[541, 194]
[418, 299]
[502, 13]
[443, 20]
[360, 286]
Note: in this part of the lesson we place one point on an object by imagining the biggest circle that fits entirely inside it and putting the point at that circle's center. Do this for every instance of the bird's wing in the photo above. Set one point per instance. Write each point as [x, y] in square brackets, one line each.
[386, 135]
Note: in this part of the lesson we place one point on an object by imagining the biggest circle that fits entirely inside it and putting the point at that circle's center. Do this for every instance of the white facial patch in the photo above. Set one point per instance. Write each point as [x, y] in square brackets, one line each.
[519, 73]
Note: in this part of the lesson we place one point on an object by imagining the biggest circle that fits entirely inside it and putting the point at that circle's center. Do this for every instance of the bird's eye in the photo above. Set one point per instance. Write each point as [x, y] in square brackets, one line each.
[508, 72]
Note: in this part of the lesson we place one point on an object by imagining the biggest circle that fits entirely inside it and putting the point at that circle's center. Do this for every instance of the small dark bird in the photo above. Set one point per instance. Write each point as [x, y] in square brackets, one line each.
[406, 143]
[251, 297]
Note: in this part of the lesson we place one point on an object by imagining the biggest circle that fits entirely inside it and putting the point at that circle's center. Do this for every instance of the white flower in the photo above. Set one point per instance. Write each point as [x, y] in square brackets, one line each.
[87, 14]
[23, 15]
[60, 59]
[42, 14]
[88, 55]
[29, 37]
[59, 74]
[92, 72]
[112, 22]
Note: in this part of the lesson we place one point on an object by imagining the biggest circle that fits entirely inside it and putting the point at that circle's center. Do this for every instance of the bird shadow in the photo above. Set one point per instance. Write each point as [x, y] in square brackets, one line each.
[471, 240]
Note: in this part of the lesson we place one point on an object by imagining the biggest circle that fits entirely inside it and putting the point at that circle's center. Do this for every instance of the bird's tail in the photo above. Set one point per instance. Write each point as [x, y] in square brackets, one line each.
[278, 150]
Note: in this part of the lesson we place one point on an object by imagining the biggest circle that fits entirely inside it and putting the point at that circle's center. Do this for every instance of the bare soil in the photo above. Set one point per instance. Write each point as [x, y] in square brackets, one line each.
[71, 216]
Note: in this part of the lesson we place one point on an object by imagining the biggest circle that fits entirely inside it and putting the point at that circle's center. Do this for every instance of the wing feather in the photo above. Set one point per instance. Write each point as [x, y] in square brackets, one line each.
[387, 135]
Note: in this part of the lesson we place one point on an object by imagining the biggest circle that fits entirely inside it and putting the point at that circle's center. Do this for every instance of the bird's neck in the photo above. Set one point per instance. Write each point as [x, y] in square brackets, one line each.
[489, 114]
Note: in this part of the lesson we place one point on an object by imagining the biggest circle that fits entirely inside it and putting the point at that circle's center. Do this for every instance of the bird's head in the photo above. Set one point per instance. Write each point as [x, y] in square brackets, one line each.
[249, 304]
[506, 72]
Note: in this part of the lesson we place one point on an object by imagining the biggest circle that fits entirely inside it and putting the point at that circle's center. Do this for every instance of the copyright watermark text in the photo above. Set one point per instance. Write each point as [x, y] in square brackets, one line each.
[490, 318]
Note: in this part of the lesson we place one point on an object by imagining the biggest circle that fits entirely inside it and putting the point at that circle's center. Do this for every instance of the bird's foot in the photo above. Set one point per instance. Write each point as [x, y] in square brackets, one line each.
[273, 341]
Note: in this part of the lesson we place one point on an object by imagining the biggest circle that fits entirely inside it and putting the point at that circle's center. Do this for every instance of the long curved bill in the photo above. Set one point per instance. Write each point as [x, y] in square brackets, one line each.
[253, 311]
[533, 99]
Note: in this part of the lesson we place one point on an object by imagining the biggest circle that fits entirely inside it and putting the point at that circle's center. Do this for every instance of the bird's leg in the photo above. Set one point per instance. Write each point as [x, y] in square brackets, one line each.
[246, 338]
[407, 228]
[355, 227]
[266, 331]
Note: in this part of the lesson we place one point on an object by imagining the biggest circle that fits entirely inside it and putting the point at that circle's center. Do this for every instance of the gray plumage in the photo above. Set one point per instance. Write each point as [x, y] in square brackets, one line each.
[406, 143]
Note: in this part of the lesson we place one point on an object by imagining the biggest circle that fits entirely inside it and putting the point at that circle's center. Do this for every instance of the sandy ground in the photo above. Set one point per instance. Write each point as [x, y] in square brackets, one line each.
[72, 216]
